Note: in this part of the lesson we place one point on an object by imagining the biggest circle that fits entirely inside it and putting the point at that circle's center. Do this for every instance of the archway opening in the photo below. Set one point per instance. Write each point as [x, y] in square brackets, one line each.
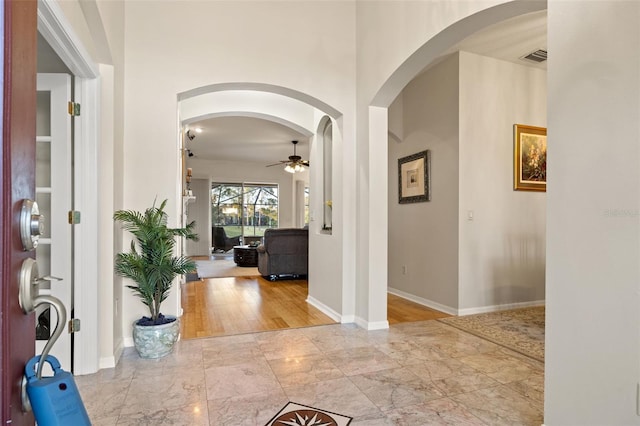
[251, 128]
[388, 142]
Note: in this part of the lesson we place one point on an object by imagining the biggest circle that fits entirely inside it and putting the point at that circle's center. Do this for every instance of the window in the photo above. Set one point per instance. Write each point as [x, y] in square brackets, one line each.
[244, 209]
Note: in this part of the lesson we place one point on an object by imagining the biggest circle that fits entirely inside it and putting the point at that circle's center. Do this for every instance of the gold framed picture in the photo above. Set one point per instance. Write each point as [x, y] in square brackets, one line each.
[414, 178]
[529, 158]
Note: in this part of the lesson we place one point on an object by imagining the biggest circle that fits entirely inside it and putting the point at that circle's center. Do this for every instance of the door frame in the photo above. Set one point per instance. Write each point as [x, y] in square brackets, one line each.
[58, 32]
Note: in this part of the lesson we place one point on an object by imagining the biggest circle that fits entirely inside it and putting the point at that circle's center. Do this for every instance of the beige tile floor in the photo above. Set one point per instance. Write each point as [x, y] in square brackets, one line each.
[421, 373]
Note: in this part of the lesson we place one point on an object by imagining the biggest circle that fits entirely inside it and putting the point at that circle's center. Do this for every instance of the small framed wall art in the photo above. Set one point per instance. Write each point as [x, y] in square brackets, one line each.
[529, 158]
[414, 178]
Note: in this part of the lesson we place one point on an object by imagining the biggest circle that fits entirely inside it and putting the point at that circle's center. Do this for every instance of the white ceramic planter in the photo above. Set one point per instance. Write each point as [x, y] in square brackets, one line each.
[156, 341]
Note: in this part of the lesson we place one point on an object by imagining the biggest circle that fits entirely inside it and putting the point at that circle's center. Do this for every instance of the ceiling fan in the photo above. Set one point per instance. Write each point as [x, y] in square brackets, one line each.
[294, 164]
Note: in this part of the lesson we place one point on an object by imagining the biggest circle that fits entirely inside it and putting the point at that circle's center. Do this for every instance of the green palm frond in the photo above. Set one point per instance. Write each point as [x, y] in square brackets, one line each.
[151, 263]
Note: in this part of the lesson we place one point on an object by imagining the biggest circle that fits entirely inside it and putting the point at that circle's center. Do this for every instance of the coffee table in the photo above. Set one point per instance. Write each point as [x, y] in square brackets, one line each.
[245, 255]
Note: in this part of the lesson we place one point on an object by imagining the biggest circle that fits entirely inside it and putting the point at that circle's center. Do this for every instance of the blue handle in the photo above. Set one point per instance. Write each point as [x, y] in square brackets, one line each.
[30, 368]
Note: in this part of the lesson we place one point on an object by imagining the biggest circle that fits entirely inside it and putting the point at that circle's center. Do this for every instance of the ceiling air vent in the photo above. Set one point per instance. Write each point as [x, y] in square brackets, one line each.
[538, 56]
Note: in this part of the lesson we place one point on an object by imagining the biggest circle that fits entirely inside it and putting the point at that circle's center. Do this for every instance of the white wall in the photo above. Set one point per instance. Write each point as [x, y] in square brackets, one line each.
[111, 175]
[502, 250]
[335, 301]
[74, 14]
[423, 237]
[200, 212]
[592, 349]
[305, 46]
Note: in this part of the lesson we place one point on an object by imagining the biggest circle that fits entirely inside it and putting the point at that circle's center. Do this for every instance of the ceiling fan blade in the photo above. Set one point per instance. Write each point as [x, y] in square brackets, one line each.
[293, 159]
[281, 162]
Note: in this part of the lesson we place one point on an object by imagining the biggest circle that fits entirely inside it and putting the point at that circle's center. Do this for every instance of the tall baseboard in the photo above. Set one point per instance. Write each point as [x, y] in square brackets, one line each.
[347, 319]
[496, 308]
[424, 302]
[372, 325]
[466, 311]
[325, 309]
[107, 362]
[111, 361]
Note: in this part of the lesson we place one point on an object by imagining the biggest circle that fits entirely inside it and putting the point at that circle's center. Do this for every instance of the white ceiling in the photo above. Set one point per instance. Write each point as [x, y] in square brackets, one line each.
[510, 40]
[245, 138]
[261, 141]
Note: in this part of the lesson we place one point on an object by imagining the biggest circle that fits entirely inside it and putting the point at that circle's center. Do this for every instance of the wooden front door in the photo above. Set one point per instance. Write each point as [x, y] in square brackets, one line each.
[17, 182]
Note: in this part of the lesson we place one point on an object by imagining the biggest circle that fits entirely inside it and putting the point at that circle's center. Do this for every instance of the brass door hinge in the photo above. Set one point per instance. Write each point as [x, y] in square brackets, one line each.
[74, 109]
[74, 325]
[74, 217]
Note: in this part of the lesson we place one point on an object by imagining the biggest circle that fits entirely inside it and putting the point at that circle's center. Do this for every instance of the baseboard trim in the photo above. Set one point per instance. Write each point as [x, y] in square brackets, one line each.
[111, 361]
[466, 311]
[128, 342]
[107, 362]
[496, 308]
[424, 302]
[348, 319]
[371, 325]
[324, 309]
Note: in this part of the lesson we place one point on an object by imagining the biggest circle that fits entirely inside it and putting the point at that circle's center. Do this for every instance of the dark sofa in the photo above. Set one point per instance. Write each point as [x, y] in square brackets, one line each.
[220, 240]
[284, 252]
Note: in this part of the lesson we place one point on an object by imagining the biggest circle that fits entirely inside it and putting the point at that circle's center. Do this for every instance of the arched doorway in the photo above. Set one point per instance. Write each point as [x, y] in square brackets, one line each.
[377, 139]
[303, 114]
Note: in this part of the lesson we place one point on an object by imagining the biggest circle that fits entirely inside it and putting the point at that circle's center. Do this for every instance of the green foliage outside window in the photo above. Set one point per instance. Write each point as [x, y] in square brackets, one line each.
[244, 209]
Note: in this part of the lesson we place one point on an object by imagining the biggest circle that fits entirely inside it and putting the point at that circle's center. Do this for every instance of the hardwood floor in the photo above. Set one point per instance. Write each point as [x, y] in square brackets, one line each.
[235, 305]
[402, 310]
[223, 306]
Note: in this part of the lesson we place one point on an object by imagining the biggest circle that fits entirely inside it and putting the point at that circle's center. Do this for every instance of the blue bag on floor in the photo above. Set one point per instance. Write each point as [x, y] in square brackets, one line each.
[55, 400]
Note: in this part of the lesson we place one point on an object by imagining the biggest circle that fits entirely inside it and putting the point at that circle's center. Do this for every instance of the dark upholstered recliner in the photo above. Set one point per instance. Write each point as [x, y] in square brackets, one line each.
[221, 241]
[285, 252]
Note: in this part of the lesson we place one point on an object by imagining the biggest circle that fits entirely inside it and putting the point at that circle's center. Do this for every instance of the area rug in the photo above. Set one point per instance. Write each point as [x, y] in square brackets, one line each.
[222, 268]
[521, 330]
[294, 414]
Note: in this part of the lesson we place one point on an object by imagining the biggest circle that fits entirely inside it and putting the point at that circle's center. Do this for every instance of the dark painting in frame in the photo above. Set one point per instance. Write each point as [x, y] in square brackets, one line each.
[414, 178]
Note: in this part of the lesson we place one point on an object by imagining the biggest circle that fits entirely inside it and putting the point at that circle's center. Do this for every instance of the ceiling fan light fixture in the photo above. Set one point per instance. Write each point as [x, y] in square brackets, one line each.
[294, 164]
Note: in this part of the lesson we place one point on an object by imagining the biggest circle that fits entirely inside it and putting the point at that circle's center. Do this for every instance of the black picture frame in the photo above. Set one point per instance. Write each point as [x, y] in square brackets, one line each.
[414, 178]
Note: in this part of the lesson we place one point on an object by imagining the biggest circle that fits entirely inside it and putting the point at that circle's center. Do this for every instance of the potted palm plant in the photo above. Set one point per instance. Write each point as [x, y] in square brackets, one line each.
[152, 266]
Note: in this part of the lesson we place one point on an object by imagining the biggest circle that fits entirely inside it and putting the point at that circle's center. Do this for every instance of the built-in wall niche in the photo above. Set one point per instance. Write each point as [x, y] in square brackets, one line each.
[326, 136]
